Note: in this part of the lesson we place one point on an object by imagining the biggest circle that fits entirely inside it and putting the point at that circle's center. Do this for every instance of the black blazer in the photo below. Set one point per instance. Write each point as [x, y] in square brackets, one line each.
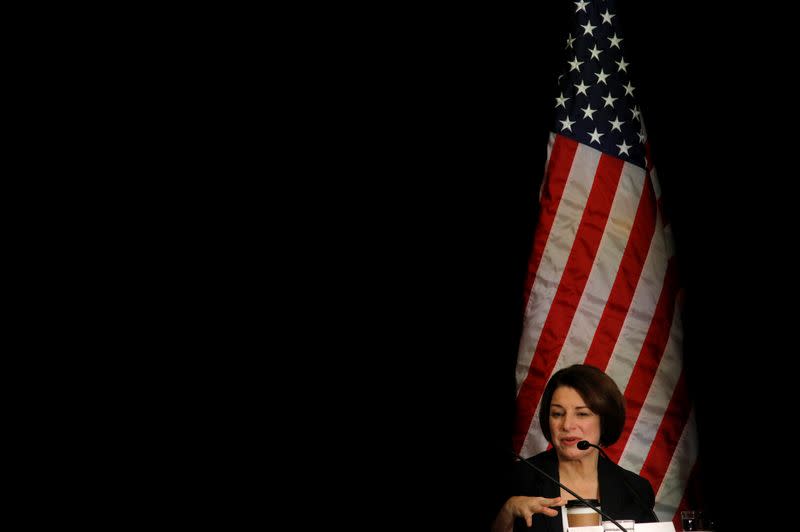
[616, 499]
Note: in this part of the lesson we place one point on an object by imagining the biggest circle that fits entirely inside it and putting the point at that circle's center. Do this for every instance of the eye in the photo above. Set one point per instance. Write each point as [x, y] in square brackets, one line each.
[555, 414]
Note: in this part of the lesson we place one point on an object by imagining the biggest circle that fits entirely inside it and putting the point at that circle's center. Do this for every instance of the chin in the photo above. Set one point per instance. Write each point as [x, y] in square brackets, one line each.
[570, 453]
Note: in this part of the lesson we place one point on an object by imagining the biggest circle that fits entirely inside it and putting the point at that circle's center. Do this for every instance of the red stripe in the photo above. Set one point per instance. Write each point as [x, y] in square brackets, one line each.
[669, 432]
[561, 157]
[568, 295]
[649, 358]
[630, 269]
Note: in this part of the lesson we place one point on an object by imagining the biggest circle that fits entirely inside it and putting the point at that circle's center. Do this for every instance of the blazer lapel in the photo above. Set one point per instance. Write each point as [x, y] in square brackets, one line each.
[611, 488]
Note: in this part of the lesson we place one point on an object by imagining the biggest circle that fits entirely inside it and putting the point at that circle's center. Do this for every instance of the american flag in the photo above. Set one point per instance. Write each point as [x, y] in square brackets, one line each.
[602, 285]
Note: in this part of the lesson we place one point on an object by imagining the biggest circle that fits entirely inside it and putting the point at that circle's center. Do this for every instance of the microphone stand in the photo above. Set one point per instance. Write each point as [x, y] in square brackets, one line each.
[584, 501]
[587, 444]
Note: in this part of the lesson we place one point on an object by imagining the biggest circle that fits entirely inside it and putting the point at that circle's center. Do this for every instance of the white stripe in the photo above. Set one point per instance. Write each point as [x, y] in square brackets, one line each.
[606, 264]
[655, 183]
[658, 398]
[641, 311]
[676, 478]
[555, 254]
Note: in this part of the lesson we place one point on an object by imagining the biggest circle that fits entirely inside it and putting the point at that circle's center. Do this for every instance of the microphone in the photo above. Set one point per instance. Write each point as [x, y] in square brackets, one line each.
[583, 445]
[584, 501]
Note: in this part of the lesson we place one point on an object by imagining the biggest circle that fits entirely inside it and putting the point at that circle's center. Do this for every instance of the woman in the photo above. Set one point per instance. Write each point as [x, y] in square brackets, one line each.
[580, 402]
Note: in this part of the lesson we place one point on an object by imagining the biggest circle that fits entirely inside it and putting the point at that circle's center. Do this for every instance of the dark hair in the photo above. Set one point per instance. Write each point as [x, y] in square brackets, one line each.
[599, 391]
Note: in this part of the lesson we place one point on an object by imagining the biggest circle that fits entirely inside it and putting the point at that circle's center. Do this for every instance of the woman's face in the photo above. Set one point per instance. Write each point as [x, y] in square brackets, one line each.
[570, 422]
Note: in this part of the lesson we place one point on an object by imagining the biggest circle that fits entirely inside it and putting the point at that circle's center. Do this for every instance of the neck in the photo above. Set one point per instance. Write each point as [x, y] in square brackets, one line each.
[585, 467]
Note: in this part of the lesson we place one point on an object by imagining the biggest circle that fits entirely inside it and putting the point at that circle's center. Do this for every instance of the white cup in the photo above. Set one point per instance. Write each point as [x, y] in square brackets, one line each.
[579, 514]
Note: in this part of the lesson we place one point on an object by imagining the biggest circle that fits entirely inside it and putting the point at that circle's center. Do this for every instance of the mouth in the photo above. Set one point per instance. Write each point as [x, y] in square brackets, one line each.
[570, 441]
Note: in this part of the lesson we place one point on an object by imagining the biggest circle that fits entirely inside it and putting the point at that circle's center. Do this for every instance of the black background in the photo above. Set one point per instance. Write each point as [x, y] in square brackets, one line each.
[325, 259]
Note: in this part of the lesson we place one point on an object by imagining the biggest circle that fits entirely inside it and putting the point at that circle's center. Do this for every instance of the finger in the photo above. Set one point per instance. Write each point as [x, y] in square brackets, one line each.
[529, 520]
[550, 512]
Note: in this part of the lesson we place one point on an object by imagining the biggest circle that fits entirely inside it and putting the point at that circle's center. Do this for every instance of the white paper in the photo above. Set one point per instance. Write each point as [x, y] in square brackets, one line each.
[664, 526]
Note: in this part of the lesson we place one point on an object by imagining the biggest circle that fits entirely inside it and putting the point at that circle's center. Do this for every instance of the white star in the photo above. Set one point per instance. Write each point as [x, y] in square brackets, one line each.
[635, 112]
[601, 76]
[570, 40]
[629, 89]
[581, 6]
[588, 111]
[595, 53]
[609, 101]
[622, 64]
[575, 64]
[614, 40]
[581, 88]
[615, 125]
[566, 124]
[561, 100]
[642, 137]
[588, 28]
[595, 136]
[607, 16]
[623, 148]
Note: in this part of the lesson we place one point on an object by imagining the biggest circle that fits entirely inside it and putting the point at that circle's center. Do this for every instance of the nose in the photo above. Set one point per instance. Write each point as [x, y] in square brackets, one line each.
[568, 422]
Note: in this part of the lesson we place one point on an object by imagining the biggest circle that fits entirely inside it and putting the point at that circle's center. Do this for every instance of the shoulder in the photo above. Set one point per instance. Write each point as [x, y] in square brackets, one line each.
[544, 457]
[535, 475]
[545, 460]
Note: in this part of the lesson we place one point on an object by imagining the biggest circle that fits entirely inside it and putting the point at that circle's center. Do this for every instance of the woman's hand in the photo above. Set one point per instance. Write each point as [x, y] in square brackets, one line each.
[525, 507]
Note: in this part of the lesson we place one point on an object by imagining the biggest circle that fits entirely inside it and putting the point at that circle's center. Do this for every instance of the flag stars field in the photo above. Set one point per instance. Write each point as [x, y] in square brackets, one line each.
[595, 87]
